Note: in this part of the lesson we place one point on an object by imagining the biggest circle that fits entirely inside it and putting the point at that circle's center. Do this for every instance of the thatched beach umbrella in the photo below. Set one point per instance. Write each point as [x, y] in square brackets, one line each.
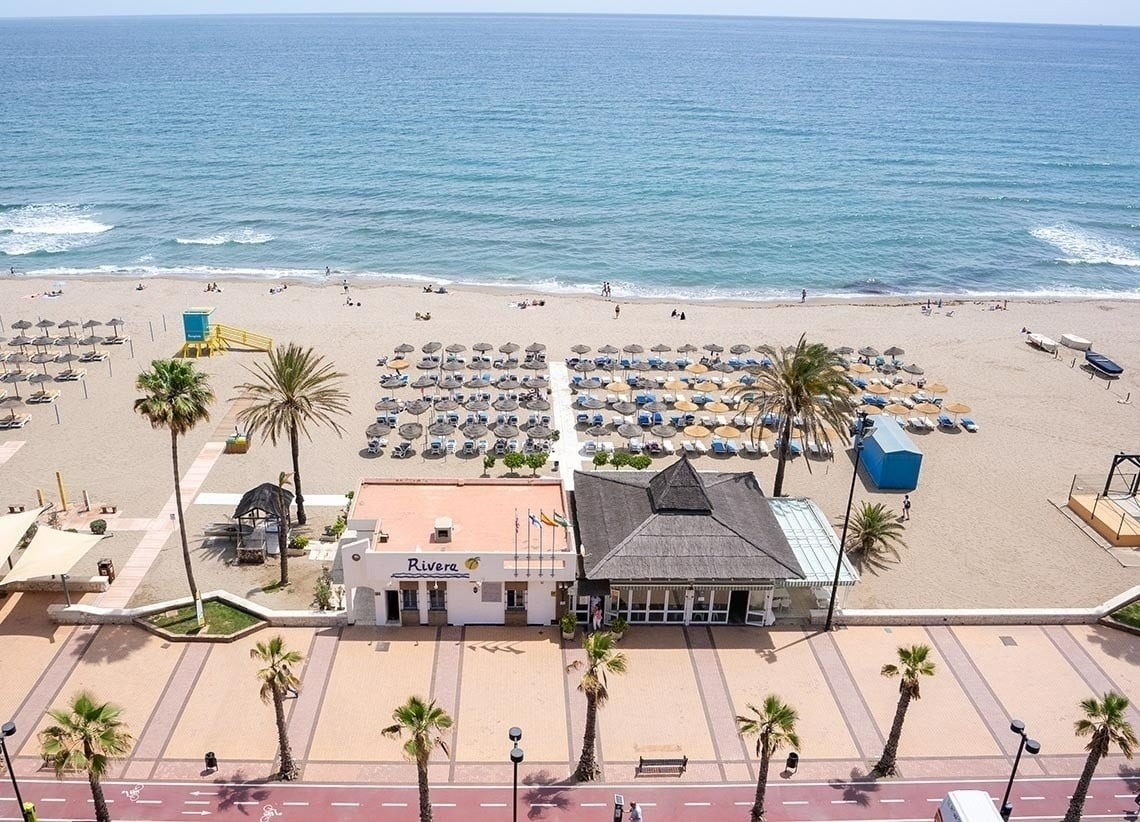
[625, 407]
[391, 382]
[474, 429]
[685, 405]
[911, 368]
[116, 323]
[40, 379]
[14, 378]
[538, 432]
[477, 405]
[377, 429]
[507, 383]
[868, 351]
[906, 388]
[716, 407]
[655, 407]
[431, 347]
[956, 408]
[618, 387]
[534, 365]
[686, 348]
[22, 325]
[450, 382]
[713, 348]
[633, 348]
[629, 430]
[844, 350]
[894, 351]
[584, 366]
[580, 349]
[389, 404]
[441, 429]
[726, 432]
[535, 348]
[44, 325]
[608, 349]
[43, 358]
[877, 388]
[506, 405]
[482, 346]
[417, 407]
[536, 383]
[937, 387]
[456, 348]
[69, 341]
[43, 342]
[869, 410]
[860, 368]
[591, 403]
[697, 368]
[404, 348]
[705, 385]
[21, 341]
[675, 385]
[427, 365]
[697, 432]
[590, 384]
[660, 348]
[896, 409]
[663, 431]
[477, 382]
[504, 430]
[537, 404]
[411, 430]
[740, 348]
[597, 431]
[446, 404]
[508, 348]
[453, 365]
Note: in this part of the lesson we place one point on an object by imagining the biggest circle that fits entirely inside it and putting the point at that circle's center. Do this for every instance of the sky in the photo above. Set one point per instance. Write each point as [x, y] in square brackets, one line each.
[1097, 12]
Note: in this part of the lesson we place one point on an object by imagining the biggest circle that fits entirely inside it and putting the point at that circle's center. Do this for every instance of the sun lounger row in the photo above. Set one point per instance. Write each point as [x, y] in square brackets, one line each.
[15, 421]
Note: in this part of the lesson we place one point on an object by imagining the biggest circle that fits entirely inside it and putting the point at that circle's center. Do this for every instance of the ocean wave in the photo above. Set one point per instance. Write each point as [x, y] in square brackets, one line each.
[47, 228]
[1086, 247]
[244, 236]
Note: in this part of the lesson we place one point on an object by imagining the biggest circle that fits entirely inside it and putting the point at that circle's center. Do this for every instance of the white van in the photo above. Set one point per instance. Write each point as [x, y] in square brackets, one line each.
[967, 806]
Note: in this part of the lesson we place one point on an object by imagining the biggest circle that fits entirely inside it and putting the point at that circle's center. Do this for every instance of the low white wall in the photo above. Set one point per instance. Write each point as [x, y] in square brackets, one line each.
[95, 615]
[90, 585]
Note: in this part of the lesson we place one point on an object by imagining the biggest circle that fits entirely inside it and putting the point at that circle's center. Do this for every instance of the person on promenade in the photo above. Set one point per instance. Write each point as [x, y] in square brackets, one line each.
[906, 506]
[634, 812]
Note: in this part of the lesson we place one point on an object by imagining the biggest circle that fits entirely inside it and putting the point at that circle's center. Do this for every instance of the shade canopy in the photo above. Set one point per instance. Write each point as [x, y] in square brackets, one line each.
[12, 530]
[51, 552]
[263, 501]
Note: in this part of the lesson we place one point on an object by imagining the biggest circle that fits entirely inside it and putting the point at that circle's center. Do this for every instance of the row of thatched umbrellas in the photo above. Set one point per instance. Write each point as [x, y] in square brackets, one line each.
[42, 343]
[534, 362]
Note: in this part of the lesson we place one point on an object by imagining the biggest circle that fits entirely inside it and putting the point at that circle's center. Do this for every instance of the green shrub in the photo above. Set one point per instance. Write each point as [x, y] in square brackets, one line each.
[323, 591]
[618, 625]
[569, 622]
[514, 460]
[535, 461]
[621, 458]
[98, 526]
[28, 536]
[601, 458]
[298, 542]
[640, 461]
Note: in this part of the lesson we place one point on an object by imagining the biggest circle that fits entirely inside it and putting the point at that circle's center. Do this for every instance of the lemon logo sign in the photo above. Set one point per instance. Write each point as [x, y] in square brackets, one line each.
[472, 563]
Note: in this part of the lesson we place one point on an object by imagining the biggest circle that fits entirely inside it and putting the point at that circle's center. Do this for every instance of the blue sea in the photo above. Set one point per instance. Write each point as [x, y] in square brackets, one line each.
[672, 156]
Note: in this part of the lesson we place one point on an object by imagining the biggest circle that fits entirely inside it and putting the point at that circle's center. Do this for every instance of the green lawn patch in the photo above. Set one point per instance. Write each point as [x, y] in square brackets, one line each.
[1129, 615]
[221, 620]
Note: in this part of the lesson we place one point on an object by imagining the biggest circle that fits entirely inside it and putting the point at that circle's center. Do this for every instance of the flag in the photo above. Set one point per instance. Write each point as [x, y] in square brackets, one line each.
[560, 520]
[516, 522]
[547, 520]
[533, 520]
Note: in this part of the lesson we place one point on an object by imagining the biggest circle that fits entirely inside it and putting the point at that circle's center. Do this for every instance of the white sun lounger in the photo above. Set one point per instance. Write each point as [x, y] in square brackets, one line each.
[701, 447]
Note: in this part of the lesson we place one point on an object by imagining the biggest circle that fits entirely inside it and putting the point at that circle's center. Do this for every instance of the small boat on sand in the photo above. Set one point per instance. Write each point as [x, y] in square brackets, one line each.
[1042, 342]
[1102, 364]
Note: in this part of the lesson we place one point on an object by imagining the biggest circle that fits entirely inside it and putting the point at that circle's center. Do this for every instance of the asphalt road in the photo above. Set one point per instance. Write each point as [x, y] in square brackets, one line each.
[1111, 797]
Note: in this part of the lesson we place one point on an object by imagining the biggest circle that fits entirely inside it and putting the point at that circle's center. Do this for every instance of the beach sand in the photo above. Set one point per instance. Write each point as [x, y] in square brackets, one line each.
[985, 531]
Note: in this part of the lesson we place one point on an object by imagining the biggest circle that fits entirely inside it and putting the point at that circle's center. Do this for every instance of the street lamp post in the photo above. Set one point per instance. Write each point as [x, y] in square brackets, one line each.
[1026, 744]
[8, 729]
[515, 734]
[860, 432]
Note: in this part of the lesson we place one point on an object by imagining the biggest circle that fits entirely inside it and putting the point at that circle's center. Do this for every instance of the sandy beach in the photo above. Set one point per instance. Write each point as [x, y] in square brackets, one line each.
[985, 531]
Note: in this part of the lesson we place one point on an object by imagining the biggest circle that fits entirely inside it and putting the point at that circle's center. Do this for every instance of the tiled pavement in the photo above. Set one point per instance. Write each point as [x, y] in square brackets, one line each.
[681, 694]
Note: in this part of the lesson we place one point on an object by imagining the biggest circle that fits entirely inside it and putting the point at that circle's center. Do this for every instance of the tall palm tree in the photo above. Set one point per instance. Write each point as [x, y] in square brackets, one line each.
[87, 736]
[293, 392]
[1105, 722]
[914, 662]
[277, 680]
[802, 382]
[283, 527]
[177, 397]
[874, 536]
[601, 659]
[774, 726]
[422, 722]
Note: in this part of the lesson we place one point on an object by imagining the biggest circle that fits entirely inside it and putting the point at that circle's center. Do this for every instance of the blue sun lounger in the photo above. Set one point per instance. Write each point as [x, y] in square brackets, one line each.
[969, 425]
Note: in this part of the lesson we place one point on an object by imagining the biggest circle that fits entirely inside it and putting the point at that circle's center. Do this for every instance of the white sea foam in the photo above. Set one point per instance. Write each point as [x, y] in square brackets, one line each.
[47, 227]
[244, 236]
[1084, 246]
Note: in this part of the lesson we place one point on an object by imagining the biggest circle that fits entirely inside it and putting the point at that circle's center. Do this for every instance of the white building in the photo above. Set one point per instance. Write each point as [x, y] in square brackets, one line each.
[457, 552]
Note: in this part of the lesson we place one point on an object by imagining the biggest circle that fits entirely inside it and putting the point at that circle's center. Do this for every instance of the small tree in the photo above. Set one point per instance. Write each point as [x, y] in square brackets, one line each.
[914, 662]
[1106, 723]
[323, 590]
[488, 464]
[514, 460]
[422, 722]
[601, 658]
[535, 461]
[87, 736]
[640, 461]
[601, 458]
[277, 680]
[774, 726]
[620, 459]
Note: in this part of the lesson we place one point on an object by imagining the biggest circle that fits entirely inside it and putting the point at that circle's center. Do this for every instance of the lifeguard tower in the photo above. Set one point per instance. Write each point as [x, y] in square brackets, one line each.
[204, 338]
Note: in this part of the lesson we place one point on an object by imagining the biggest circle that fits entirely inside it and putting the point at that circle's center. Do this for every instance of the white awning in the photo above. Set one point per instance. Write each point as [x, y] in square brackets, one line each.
[51, 552]
[814, 543]
[12, 529]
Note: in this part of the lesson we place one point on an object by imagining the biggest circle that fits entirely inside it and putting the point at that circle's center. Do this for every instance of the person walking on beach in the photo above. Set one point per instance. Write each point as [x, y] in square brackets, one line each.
[617, 312]
[803, 295]
[906, 506]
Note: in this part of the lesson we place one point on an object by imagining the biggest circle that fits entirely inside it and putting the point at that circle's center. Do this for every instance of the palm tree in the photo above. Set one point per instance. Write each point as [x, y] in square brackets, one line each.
[803, 382]
[422, 722]
[601, 659]
[177, 397]
[87, 735]
[283, 527]
[774, 726]
[277, 680]
[1104, 721]
[874, 536]
[295, 390]
[914, 662]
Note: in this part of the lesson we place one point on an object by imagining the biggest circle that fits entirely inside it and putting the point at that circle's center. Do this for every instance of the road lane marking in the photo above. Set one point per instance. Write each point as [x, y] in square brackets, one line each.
[299, 804]
[347, 804]
[1123, 796]
[1030, 798]
[542, 804]
[939, 799]
[246, 802]
[52, 799]
[843, 801]
[492, 804]
[393, 804]
[891, 801]
[697, 804]
[149, 802]
[786, 802]
[443, 804]
[112, 801]
[593, 805]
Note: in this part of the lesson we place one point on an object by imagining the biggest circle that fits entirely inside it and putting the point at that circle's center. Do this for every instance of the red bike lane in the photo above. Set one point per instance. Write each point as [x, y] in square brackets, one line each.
[1111, 797]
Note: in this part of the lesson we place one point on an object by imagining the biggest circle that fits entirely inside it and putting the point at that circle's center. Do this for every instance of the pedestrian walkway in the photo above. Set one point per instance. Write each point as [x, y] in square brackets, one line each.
[131, 575]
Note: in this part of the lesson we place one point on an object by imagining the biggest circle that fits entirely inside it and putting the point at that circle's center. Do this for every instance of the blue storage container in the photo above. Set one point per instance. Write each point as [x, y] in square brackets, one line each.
[891, 458]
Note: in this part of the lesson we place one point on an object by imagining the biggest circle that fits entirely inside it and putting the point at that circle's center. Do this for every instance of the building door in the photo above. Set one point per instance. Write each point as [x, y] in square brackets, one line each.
[393, 606]
[737, 608]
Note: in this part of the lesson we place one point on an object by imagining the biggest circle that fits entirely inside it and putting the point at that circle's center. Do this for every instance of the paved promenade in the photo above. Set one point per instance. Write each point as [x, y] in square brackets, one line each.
[682, 691]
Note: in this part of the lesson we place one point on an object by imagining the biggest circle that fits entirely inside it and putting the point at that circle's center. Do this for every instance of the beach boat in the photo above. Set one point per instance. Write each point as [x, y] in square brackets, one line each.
[1042, 342]
[1075, 342]
[1102, 364]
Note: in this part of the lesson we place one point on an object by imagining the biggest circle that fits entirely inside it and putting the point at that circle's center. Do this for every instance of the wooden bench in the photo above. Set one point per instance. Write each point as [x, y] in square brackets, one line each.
[661, 767]
[110, 509]
[15, 509]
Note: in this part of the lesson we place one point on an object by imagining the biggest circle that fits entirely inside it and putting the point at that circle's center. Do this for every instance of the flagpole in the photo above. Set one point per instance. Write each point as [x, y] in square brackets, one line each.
[540, 542]
[516, 542]
[528, 542]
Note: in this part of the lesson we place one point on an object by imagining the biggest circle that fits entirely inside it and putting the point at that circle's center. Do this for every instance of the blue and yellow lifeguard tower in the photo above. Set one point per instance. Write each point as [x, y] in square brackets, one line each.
[204, 338]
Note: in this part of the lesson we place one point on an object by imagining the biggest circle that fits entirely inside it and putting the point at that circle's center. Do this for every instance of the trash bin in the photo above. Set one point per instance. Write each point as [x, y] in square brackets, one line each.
[793, 762]
[107, 569]
[211, 761]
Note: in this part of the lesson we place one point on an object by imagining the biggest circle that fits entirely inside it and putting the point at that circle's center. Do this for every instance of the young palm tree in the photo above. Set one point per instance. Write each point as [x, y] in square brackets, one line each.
[914, 662]
[283, 527]
[422, 722]
[177, 397]
[774, 726]
[601, 659]
[1105, 722]
[87, 736]
[277, 680]
[874, 536]
[296, 389]
[802, 382]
